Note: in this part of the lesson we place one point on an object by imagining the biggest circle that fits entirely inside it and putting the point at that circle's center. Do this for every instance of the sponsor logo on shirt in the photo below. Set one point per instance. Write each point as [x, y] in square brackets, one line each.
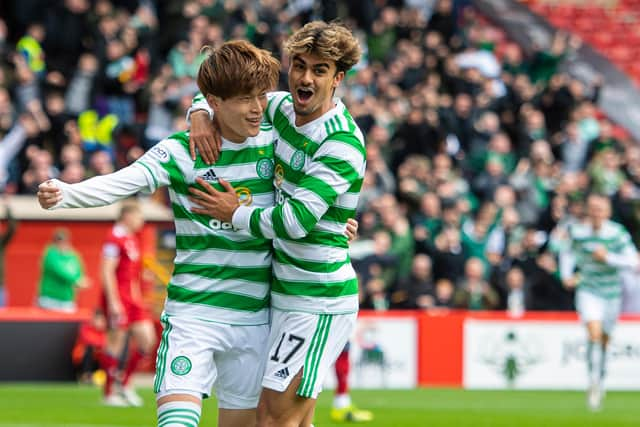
[160, 153]
[245, 198]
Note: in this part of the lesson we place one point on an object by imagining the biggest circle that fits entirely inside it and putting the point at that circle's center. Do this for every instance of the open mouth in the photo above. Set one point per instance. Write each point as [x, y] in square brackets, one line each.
[304, 94]
[255, 121]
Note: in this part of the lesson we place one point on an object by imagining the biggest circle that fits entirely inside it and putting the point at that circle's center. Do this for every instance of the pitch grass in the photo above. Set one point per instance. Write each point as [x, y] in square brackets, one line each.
[78, 406]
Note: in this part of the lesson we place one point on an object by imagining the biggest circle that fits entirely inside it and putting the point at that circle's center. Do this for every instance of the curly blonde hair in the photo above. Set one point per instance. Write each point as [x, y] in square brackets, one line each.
[331, 41]
[237, 68]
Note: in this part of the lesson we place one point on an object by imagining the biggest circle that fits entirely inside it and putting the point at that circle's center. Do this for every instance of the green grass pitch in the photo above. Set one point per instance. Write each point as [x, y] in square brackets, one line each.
[78, 406]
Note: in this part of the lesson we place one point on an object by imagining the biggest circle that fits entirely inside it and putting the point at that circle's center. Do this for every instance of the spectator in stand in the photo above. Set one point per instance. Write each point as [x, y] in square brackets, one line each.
[449, 255]
[417, 291]
[517, 296]
[62, 274]
[444, 294]
[474, 292]
[376, 272]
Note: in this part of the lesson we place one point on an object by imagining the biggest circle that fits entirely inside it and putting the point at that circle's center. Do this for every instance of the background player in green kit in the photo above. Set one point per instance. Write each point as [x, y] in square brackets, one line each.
[320, 163]
[597, 251]
[217, 310]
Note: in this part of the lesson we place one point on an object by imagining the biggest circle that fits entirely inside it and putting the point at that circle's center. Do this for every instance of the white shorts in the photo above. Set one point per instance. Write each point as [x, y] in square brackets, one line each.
[195, 356]
[591, 308]
[311, 342]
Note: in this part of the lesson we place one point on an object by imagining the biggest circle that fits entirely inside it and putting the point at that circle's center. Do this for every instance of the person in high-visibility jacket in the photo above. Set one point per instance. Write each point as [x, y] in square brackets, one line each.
[30, 47]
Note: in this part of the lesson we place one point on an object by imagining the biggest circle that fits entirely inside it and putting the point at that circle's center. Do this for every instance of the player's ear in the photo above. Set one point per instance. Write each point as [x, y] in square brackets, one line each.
[337, 79]
[213, 101]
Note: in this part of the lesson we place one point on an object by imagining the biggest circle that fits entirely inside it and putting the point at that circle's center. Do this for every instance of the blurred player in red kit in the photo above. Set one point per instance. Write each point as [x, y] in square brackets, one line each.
[126, 314]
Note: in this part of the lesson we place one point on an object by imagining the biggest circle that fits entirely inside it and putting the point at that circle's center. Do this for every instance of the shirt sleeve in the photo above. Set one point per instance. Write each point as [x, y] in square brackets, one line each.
[160, 162]
[567, 259]
[147, 174]
[332, 171]
[102, 190]
[199, 103]
[111, 250]
[627, 257]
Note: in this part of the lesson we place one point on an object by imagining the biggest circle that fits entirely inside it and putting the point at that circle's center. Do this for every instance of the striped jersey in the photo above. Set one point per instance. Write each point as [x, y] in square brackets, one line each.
[600, 278]
[221, 274]
[319, 169]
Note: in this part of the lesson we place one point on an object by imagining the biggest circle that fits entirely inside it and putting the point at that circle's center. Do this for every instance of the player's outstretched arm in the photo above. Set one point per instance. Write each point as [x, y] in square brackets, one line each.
[97, 191]
[49, 194]
[146, 174]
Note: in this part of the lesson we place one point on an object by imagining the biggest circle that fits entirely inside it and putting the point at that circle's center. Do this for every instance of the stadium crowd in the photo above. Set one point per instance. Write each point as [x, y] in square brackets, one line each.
[479, 156]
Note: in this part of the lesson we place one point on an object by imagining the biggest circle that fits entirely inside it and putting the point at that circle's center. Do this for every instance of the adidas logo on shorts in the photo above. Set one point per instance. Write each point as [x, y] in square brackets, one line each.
[210, 175]
[282, 373]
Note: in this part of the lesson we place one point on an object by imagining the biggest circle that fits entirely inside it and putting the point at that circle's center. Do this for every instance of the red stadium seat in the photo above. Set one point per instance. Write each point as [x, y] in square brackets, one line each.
[610, 27]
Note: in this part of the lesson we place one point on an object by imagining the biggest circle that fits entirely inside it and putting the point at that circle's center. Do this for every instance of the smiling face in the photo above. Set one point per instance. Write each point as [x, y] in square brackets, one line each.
[234, 78]
[239, 116]
[312, 82]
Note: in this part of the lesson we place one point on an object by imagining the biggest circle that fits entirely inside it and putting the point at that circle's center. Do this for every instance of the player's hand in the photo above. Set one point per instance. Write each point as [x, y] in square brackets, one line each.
[599, 254]
[214, 203]
[49, 194]
[205, 136]
[84, 283]
[352, 229]
[571, 282]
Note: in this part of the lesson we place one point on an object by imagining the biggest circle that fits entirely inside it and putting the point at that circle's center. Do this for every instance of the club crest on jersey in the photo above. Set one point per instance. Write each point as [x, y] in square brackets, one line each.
[161, 153]
[244, 196]
[209, 175]
[181, 365]
[264, 168]
[297, 160]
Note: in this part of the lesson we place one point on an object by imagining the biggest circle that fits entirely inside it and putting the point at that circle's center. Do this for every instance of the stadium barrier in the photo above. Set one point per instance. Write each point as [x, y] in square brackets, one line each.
[36, 344]
[485, 350]
[394, 349]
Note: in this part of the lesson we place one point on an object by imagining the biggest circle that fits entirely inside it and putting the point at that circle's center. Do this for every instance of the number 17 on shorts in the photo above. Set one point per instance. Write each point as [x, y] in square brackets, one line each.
[307, 342]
